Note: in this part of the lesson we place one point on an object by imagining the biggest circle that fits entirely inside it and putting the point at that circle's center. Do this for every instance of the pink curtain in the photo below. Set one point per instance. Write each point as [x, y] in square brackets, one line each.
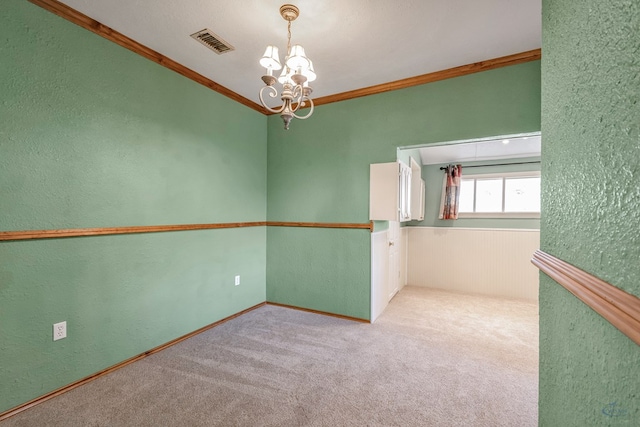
[452, 192]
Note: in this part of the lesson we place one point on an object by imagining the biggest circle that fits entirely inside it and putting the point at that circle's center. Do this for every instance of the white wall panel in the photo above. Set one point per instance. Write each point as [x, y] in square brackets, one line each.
[493, 262]
[404, 255]
[379, 273]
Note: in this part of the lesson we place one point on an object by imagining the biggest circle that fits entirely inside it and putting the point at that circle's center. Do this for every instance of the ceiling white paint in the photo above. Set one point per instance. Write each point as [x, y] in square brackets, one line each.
[353, 44]
[487, 149]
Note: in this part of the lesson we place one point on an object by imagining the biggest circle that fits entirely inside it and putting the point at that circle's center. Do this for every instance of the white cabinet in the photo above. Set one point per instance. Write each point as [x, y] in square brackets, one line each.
[390, 192]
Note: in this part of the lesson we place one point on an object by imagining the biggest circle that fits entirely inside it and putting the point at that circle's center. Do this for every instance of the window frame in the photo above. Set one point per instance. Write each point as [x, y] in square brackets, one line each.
[494, 215]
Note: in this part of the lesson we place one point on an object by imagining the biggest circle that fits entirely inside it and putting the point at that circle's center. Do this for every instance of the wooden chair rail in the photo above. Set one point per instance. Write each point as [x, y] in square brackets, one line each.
[104, 231]
[367, 226]
[79, 232]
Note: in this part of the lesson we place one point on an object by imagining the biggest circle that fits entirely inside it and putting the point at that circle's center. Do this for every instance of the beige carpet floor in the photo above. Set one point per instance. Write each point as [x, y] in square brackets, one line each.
[432, 359]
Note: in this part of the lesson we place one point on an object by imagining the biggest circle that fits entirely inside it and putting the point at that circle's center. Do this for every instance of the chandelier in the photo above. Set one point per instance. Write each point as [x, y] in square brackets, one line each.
[296, 75]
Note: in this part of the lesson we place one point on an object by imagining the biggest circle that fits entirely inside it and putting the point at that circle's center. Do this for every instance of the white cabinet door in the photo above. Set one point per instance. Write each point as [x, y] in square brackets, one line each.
[389, 192]
[379, 273]
[421, 200]
[404, 213]
[383, 192]
[394, 258]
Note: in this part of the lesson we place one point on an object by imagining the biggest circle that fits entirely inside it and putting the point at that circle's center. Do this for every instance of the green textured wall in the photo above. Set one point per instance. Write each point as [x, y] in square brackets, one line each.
[93, 135]
[319, 171]
[331, 276]
[432, 176]
[405, 154]
[589, 371]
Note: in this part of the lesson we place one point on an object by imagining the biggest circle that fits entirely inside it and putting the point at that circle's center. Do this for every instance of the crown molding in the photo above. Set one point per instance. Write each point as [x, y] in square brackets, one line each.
[110, 34]
[463, 70]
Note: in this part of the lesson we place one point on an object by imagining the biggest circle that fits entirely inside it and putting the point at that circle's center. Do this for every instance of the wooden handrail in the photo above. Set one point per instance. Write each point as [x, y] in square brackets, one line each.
[620, 308]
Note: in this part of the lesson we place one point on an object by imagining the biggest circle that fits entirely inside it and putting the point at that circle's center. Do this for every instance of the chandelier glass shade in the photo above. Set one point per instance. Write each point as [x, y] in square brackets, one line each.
[294, 79]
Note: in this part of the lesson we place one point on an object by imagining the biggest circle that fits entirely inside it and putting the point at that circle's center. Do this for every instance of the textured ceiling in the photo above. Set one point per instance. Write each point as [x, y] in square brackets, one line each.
[353, 44]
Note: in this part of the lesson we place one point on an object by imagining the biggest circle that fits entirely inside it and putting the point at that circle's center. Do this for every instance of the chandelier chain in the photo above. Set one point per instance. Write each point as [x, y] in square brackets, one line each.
[289, 38]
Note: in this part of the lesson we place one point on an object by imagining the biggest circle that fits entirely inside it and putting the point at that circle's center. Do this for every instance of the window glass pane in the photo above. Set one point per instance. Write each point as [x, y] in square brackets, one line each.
[489, 195]
[466, 195]
[522, 194]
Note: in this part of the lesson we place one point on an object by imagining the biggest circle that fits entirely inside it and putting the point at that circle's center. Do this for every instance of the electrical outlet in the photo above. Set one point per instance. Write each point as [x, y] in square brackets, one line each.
[59, 330]
[237, 280]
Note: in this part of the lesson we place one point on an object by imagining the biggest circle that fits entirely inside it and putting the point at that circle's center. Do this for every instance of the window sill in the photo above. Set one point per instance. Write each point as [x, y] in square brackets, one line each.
[500, 215]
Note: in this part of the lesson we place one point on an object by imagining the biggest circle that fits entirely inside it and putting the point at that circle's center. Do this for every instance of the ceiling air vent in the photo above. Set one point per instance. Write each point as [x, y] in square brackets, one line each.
[212, 41]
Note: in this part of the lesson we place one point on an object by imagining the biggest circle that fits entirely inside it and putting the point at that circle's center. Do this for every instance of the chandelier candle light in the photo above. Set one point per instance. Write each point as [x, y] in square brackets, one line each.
[296, 74]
